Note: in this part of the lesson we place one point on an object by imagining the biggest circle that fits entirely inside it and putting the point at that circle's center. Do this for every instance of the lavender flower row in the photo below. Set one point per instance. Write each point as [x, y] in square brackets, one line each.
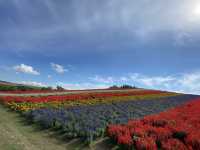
[90, 122]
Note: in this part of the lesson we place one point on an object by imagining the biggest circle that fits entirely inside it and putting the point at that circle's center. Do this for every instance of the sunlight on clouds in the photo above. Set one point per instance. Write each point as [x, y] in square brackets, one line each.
[193, 14]
[196, 10]
[25, 69]
[140, 19]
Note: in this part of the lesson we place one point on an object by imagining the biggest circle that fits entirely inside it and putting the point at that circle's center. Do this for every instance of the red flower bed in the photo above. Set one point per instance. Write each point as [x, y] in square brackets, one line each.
[30, 91]
[76, 96]
[175, 129]
[44, 91]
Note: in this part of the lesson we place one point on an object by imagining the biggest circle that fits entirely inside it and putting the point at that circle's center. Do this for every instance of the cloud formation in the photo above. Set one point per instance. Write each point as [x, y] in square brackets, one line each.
[151, 81]
[49, 76]
[105, 80]
[26, 69]
[33, 83]
[186, 82]
[58, 68]
[82, 86]
[94, 21]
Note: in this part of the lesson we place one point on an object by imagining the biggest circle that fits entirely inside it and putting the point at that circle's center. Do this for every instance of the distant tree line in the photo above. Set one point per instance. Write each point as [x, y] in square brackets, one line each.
[60, 88]
[123, 87]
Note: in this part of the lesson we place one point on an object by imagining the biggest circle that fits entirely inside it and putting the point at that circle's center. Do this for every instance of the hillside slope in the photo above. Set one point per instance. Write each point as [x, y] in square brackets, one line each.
[8, 83]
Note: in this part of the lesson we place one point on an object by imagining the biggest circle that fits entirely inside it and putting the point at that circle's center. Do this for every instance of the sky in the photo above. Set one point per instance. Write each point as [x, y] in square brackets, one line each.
[95, 44]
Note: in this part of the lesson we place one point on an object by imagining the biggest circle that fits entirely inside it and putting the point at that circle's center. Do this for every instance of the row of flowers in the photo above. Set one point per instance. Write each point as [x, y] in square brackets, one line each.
[80, 96]
[26, 106]
[90, 122]
[31, 91]
[175, 129]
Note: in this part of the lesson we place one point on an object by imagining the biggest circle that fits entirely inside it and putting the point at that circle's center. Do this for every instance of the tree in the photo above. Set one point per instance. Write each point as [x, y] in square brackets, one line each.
[60, 88]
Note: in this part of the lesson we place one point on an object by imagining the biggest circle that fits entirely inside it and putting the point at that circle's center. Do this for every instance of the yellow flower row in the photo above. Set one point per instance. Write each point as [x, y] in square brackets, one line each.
[25, 106]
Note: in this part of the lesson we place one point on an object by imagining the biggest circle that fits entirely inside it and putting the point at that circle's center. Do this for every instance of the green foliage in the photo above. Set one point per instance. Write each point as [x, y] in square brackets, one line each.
[125, 86]
[181, 135]
[22, 88]
[59, 88]
[47, 88]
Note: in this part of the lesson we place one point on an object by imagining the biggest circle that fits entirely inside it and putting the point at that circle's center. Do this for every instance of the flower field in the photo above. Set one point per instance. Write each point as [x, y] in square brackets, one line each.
[36, 99]
[90, 116]
[57, 101]
[176, 128]
[25, 106]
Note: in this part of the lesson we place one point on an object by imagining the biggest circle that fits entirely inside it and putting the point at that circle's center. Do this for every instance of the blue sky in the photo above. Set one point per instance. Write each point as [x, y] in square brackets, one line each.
[94, 44]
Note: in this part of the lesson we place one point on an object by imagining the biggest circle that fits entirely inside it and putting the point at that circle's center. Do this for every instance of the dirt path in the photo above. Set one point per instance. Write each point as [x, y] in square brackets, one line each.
[15, 134]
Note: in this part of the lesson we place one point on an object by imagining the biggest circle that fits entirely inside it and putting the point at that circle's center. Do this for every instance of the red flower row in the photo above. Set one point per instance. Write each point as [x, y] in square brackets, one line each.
[176, 128]
[44, 91]
[76, 96]
[31, 91]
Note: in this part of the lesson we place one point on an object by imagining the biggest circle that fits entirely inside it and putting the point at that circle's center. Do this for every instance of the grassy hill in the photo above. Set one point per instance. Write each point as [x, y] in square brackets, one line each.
[9, 86]
[8, 83]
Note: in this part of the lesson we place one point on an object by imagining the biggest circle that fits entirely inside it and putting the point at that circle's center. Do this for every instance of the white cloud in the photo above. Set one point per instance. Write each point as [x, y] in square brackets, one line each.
[58, 68]
[82, 86]
[151, 81]
[124, 79]
[186, 82]
[142, 19]
[49, 76]
[106, 80]
[33, 83]
[190, 82]
[26, 69]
